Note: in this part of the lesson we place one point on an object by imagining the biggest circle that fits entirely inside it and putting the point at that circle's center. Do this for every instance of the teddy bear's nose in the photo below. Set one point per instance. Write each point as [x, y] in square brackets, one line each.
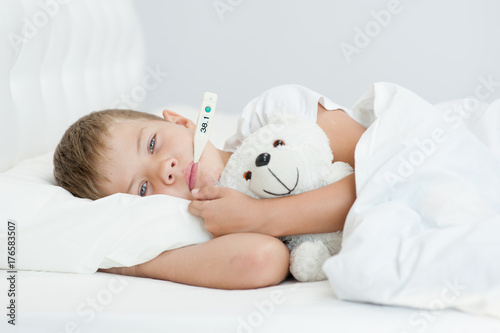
[263, 159]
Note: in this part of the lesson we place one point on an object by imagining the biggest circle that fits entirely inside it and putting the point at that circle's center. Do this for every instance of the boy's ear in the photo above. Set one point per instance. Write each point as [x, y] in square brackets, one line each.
[176, 118]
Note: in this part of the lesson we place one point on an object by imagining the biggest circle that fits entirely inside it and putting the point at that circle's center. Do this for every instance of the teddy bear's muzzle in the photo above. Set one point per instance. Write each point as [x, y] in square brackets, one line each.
[274, 175]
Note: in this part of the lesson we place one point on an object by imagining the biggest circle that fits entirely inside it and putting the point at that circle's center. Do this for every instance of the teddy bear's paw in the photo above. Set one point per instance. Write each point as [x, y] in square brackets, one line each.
[307, 259]
[338, 170]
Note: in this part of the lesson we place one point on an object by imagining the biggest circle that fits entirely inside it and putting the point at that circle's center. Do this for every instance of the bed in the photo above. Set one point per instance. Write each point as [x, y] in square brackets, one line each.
[63, 302]
[58, 67]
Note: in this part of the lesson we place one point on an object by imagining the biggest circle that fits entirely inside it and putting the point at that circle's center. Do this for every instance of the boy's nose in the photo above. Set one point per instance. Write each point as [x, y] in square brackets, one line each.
[167, 171]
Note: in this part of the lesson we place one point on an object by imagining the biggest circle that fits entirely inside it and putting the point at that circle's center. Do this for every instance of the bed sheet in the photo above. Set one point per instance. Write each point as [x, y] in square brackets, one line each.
[102, 302]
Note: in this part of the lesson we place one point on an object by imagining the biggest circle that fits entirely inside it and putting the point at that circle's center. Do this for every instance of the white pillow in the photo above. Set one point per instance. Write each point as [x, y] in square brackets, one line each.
[56, 231]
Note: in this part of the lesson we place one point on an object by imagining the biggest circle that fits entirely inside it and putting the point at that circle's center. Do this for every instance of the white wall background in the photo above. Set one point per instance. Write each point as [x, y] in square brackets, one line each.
[440, 49]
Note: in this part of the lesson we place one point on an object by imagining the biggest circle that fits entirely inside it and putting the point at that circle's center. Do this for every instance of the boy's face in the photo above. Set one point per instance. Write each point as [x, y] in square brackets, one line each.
[146, 157]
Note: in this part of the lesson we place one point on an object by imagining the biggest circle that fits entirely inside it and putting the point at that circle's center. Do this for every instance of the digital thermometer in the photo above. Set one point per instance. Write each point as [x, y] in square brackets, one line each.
[204, 123]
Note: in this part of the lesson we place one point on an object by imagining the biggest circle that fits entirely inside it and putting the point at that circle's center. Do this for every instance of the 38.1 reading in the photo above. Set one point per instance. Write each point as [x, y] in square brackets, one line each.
[203, 128]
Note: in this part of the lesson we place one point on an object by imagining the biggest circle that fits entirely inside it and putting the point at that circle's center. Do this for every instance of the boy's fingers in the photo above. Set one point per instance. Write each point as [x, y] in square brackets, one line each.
[206, 193]
[201, 197]
[194, 208]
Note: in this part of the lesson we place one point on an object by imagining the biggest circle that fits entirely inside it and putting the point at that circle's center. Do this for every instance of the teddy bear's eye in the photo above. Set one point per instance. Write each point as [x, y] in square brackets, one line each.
[247, 175]
[278, 143]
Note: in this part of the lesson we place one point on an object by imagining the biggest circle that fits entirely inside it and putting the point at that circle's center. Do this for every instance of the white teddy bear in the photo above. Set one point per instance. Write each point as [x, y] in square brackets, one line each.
[291, 155]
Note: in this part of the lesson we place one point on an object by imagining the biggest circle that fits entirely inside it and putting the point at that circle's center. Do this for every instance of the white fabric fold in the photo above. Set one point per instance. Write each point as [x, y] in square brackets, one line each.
[425, 229]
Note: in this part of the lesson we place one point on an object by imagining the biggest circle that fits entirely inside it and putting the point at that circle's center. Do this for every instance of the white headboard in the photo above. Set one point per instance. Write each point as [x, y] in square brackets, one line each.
[59, 60]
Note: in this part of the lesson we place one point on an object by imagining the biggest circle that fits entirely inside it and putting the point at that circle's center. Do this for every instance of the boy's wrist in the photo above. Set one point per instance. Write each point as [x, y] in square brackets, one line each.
[255, 219]
[267, 217]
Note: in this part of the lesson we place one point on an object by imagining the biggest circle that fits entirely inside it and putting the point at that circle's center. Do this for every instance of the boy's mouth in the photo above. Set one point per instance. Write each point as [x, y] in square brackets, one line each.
[191, 175]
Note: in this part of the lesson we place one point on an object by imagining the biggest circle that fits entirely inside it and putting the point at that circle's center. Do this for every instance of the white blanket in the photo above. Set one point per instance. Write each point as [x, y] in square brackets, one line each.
[425, 229]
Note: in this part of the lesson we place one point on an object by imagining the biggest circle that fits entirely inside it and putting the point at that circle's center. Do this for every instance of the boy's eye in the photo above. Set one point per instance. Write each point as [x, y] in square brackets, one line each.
[152, 145]
[143, 190]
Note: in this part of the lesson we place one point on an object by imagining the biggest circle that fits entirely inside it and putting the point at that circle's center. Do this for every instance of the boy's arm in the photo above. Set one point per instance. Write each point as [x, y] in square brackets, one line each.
[319, 211]
[322, 210]
[236, 261]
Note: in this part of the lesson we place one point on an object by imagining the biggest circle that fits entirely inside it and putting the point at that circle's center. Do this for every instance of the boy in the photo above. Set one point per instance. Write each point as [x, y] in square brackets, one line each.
[159, 158]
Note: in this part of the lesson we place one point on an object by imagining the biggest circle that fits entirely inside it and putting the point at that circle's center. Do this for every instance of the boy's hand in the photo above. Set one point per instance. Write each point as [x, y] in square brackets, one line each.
[225, 210]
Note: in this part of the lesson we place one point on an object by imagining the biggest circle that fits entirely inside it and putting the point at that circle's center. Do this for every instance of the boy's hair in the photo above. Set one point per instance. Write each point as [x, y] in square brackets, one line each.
[82, 148]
